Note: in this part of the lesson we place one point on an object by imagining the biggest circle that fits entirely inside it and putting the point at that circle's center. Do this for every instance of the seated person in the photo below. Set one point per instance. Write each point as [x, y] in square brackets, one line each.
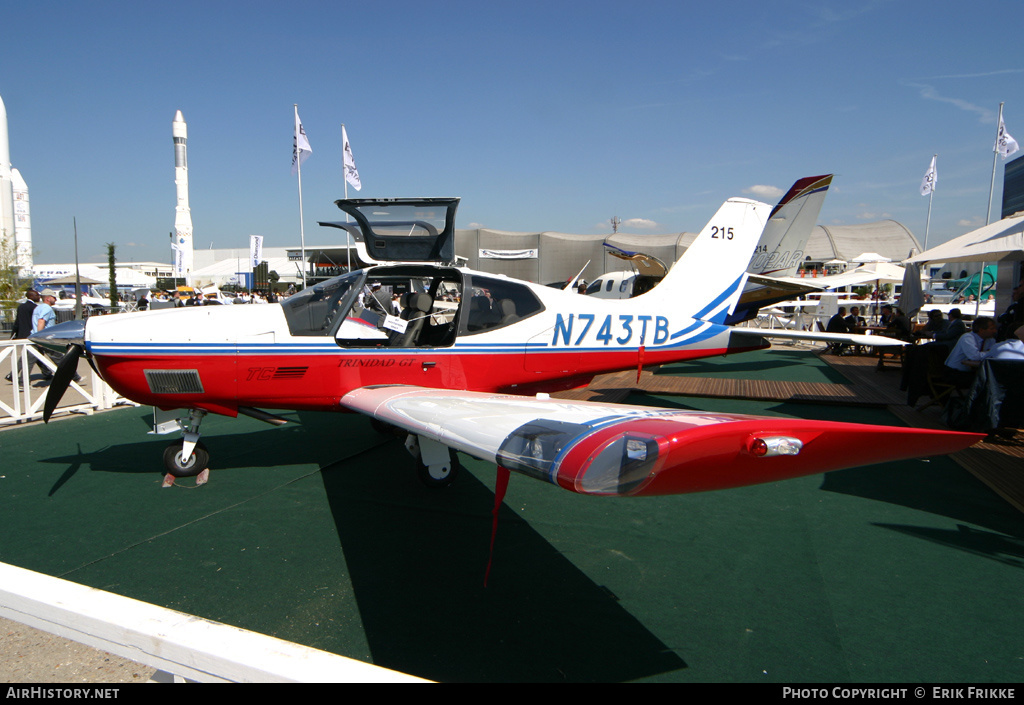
[854, 319]
[897, 325]
[967, 354]
[1010, 349]
[955, 328]
[837, 324]
[935, 324]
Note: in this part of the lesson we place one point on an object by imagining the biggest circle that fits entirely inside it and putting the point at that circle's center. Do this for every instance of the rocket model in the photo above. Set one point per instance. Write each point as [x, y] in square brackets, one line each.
[181, 243]
[15, 232]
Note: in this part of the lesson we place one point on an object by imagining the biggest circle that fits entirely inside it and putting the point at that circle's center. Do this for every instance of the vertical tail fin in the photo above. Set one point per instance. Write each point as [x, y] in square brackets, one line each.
[781, 247]
[706, 281]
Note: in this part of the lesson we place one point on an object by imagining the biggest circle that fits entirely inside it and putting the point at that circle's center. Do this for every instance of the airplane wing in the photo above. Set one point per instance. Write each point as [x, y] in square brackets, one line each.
[870, 341]
[619, 449]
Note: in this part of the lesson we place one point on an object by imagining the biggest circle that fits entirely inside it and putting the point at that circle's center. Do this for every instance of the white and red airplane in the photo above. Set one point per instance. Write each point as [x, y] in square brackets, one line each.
[467, 364]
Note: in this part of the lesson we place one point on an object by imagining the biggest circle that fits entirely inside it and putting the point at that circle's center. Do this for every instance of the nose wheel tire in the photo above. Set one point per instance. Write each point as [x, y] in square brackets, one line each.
[185, 468]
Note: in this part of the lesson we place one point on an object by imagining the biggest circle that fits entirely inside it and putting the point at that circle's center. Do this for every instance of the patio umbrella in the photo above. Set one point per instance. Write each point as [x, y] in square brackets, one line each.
[70, 279]
[911, 296]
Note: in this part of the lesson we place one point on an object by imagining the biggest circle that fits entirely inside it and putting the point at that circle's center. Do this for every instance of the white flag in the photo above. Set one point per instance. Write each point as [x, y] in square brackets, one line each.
[256, 249]
[351, 173]
[179, 259]
[300, 144]
[1005, 144]
[931, 177]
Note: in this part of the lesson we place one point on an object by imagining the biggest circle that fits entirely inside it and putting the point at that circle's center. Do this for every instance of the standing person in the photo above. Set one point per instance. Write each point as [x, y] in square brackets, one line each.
[23, 324]
[23, 318]
[43, 316]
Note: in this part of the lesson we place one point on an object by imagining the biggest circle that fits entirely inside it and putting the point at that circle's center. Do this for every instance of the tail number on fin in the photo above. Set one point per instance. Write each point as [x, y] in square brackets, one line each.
[621, 329]
[718, 233]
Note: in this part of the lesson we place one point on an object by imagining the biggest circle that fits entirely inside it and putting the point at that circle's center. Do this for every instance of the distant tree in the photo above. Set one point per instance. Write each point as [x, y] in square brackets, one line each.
[112, 272]
[10, 283]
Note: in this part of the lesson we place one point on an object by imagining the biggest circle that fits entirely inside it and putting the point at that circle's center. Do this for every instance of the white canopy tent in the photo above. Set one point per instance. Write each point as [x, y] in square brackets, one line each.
[881, 272]
[868, 257]
[995, 242]
[1000, 242]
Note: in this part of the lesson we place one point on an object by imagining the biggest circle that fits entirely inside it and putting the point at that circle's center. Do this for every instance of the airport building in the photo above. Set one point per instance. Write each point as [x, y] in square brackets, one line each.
[541, 257]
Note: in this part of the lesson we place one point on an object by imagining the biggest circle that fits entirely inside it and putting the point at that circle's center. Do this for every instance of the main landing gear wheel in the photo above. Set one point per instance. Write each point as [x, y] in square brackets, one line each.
[182, 468]
[440, 475]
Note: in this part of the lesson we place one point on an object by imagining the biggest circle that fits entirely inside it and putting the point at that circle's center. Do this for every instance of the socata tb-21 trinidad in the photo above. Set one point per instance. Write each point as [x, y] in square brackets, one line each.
[469, 362]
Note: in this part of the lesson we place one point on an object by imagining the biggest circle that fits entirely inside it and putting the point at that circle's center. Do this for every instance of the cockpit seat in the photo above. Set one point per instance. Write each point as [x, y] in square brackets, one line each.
[507, 307]
[415, 309]
[480, 314]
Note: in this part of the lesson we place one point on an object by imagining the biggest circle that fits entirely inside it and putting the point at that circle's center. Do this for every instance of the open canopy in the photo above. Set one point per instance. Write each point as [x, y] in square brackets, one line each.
[401, 229]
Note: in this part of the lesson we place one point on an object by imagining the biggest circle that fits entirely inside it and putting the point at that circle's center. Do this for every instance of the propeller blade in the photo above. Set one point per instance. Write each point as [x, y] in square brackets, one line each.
[66, 370]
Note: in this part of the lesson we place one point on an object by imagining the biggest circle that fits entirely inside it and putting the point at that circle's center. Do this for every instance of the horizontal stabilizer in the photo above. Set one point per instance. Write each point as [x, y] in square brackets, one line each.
[871, 341]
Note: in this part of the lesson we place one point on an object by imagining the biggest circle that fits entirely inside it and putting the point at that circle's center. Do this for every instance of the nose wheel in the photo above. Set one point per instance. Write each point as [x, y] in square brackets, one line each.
[191, 466]
[187, 456]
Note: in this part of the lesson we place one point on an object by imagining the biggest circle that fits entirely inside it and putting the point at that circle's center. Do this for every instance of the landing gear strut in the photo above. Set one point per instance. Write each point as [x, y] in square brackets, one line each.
[187, 457]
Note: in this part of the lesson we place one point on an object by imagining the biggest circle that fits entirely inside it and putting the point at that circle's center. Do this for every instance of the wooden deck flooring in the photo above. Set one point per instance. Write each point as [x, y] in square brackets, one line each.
[999, 464]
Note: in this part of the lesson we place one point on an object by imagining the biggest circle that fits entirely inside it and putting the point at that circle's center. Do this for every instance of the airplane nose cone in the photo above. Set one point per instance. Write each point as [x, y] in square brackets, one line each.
[60, 336]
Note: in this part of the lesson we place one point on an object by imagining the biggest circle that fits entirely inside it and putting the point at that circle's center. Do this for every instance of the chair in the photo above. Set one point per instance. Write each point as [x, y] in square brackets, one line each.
[937, 386]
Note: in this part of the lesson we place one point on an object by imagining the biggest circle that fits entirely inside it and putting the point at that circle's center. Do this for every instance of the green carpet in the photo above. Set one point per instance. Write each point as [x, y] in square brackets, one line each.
[319, 532]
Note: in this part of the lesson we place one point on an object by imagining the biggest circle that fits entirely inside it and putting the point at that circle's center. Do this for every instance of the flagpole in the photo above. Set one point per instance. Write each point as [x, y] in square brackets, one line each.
[78, 280]
[931, 194]
[992, 184]
[988, 213]
[302, 231]
[344, 179]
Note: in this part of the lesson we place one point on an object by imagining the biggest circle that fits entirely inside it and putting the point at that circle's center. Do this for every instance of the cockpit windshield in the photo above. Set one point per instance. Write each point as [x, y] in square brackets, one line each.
[400, 307]
[314, 310]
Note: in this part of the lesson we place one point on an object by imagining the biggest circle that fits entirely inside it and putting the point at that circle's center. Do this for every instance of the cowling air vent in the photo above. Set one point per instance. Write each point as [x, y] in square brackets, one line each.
[174, 381]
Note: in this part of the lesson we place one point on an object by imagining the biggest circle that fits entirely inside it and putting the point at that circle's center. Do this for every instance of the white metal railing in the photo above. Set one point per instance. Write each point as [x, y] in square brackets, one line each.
[176, 643]
[23, 402]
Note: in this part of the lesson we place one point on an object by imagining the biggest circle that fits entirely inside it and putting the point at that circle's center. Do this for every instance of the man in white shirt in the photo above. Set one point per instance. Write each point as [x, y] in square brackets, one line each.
[1010, 349]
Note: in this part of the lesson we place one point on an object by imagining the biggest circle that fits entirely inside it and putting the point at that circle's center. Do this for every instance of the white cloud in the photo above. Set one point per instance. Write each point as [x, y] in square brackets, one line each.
[975, 222]
[867, 215]
[763, 191]
[641, 223]
[927, 92]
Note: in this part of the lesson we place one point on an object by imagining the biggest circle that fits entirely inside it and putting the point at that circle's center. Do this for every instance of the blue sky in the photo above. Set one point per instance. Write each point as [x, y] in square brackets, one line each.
[553, 115]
